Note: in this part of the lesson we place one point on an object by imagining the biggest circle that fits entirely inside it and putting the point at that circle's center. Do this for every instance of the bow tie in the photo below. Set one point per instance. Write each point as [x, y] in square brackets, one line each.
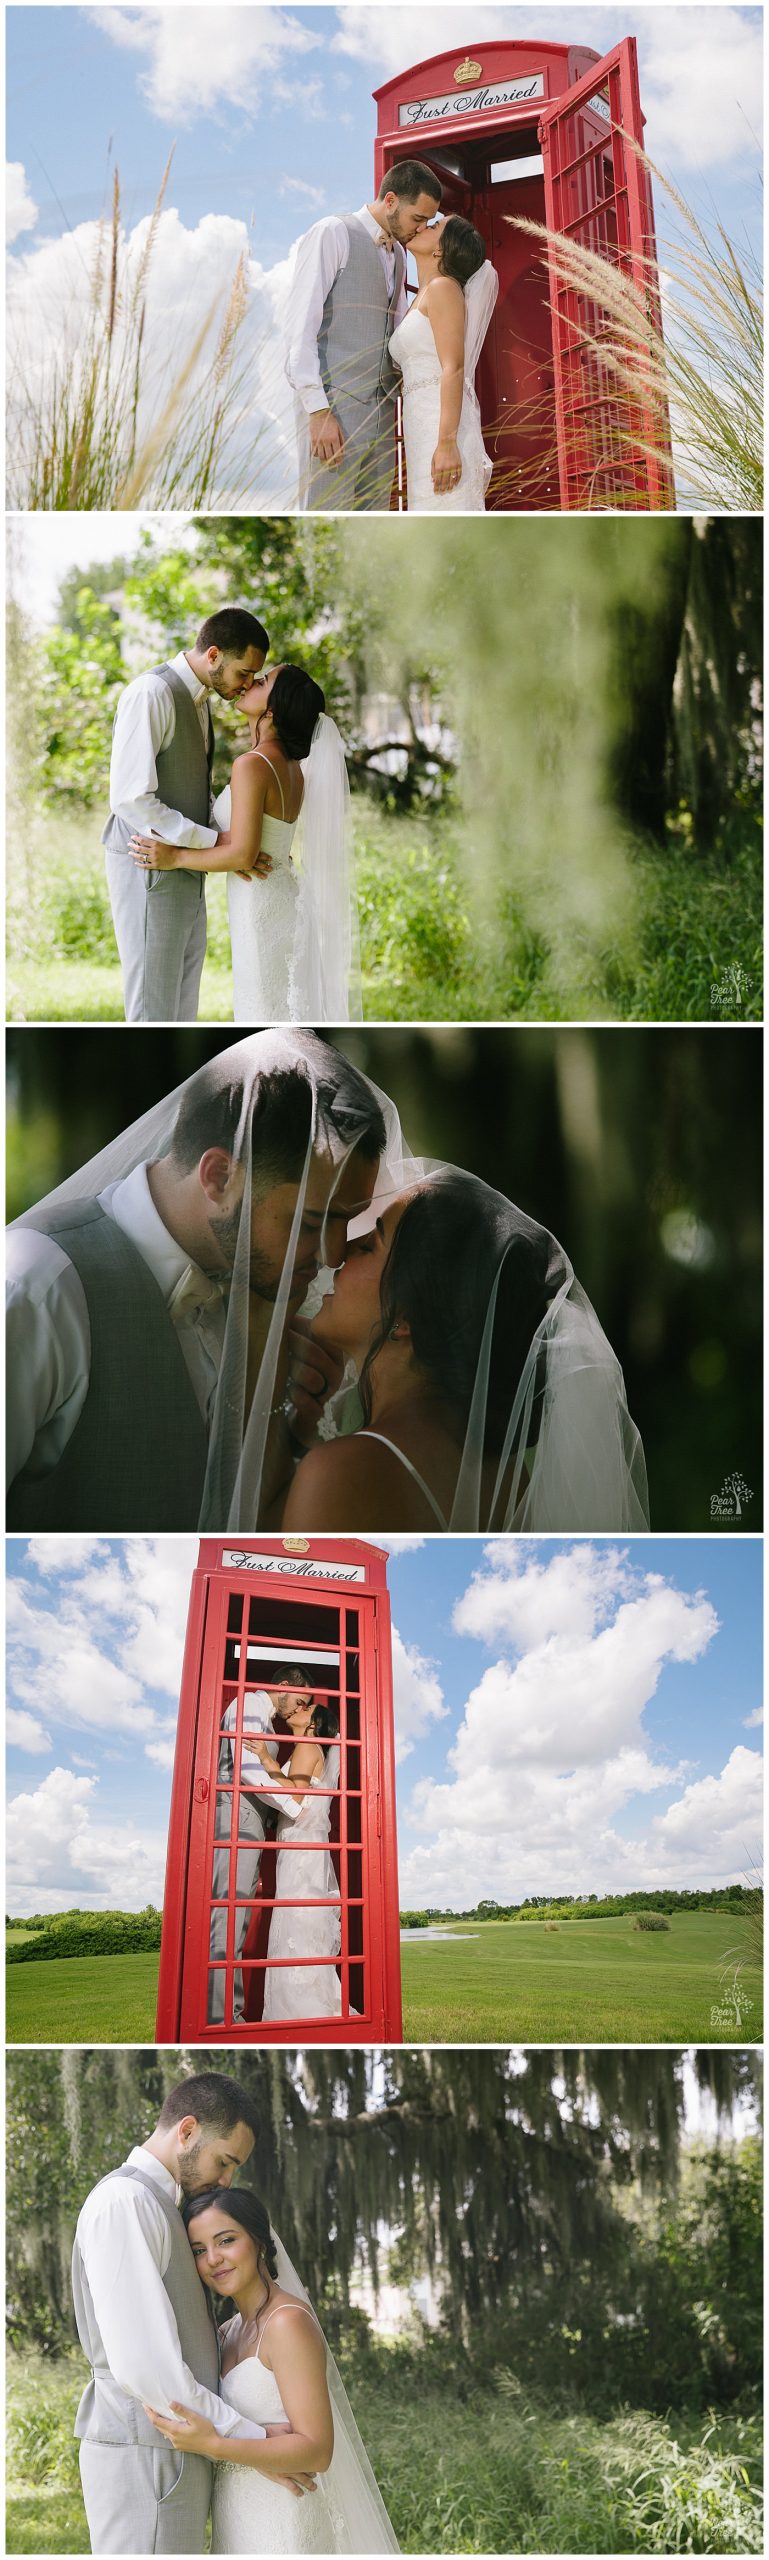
[193, 1291]
[384, 243]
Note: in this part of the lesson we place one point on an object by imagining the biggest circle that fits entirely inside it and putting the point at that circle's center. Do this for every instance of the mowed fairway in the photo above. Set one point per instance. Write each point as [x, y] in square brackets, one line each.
[82, 2000]
[586, 1982]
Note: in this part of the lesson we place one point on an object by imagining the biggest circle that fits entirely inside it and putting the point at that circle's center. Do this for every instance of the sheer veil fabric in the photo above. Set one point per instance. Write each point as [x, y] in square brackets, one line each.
[481, 293]
[342, 1106]
[350, 2481]
[325, 979]
[567, 1454]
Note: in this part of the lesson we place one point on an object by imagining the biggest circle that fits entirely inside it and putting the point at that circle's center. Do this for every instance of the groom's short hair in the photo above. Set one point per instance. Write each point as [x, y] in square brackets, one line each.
[211, 1112]
[409, 180]
[232, 630]
[217, 2104]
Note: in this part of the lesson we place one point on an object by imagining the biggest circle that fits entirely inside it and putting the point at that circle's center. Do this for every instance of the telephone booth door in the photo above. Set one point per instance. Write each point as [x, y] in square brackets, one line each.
[611, 451]
[284, 1924]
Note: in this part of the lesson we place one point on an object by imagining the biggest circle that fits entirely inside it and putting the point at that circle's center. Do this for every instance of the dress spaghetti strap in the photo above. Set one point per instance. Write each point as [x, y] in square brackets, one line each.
[413, 1471]
[293, 2305]
[259, 751]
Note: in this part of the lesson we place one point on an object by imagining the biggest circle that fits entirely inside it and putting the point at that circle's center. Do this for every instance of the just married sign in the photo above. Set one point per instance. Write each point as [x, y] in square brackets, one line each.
[311, 1568]
[500, 93]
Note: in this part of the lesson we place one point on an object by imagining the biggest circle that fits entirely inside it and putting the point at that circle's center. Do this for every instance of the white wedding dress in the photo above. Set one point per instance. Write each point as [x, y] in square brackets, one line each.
[302, 1990]
[263, 920]
[413, 349]
[251, 2513]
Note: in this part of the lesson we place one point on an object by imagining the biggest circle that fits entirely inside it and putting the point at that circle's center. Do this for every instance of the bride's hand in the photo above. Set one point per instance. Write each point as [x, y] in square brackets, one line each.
[187, 2432]
[314, 1371]
[153, 855]
[446, 466]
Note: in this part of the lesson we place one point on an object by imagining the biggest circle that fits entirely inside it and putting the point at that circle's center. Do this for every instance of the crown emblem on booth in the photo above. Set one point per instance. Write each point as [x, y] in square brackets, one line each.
[466, 72]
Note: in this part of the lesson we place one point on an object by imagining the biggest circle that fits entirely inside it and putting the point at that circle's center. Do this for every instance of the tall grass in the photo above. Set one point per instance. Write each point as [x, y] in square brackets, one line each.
[98, 430]
[702, 377]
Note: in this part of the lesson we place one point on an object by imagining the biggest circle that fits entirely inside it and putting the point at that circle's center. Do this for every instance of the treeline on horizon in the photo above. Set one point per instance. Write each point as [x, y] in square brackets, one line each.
[78, 1932]
[592, 1906]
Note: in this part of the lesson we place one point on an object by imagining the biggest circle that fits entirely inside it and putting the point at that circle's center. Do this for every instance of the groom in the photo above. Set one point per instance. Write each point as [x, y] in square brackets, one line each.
[347, 294]
[256, 1798]
[116, 1303]
[145, 2327]
[160, 784]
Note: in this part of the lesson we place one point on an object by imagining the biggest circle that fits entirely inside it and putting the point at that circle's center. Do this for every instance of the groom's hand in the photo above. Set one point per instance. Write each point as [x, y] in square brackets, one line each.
[313, 1373]
[326, 438]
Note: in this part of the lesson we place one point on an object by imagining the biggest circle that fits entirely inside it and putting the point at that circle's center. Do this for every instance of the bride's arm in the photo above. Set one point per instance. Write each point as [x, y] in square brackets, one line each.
[446, 314]
[238, 847]
[307, 2444]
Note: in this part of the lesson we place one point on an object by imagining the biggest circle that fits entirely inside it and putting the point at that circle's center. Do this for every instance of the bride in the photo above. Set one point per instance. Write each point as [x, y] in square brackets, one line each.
[304, 1873]
[276, 2370]
[484, 1393]
[437, 348]
[293, 935]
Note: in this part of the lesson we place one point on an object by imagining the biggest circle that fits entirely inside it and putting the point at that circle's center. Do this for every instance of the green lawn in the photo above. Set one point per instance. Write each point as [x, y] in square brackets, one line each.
[82, 2000]
[589, 1981]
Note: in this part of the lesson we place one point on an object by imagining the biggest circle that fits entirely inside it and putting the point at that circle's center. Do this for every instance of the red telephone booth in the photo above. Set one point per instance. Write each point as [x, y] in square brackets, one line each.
[281, 1919]
[544, 132]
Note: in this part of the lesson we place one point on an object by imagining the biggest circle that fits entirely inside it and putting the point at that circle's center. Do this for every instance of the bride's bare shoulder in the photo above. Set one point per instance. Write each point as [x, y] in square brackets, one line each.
[350, 1479]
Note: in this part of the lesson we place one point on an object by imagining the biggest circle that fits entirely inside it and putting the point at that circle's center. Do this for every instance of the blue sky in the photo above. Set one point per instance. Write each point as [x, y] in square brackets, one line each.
[569, 1714]
[271, 109]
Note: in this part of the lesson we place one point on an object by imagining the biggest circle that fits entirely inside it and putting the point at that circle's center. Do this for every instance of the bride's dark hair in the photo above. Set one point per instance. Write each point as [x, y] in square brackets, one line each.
[449, 1244]
[462, 251]
[243, 2206]
[296, 703]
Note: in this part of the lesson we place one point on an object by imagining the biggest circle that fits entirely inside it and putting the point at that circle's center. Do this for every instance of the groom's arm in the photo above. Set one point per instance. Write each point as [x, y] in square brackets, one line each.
[145, 723]
[125, 2247]
[320, 258]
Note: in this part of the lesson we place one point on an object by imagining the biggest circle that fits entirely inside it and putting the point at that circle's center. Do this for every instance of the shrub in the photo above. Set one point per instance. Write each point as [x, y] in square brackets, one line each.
[651, 1920]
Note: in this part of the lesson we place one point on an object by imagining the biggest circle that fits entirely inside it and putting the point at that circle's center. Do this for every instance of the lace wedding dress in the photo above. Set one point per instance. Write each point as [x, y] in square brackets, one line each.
[251, 2513]
[413, 348]
[305, 1990]
[262, 916]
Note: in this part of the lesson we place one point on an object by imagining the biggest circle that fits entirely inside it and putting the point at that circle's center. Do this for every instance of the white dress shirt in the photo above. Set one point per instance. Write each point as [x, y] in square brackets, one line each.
[322, 256]
[145, 722]
[48, 1343]
[125, 2245]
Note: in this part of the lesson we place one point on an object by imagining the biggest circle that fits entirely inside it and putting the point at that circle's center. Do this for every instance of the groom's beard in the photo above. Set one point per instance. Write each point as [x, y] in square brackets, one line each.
[264, 1276]
[189, 2178]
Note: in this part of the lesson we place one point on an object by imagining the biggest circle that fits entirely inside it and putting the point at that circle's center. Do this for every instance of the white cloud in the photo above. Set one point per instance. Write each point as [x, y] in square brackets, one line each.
[21, 212]
[418, 1699]
[756, 1718]
[547, 1775]
[190, 280]
[102, 1642]
[59, 1853]
[24, 1732]
[701, 70]
[161, 1752]
[202, 59]
[301, 187]
[63, 1553]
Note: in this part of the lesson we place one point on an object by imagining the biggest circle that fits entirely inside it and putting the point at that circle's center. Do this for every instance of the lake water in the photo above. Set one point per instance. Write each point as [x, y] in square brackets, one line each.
[439, 1933]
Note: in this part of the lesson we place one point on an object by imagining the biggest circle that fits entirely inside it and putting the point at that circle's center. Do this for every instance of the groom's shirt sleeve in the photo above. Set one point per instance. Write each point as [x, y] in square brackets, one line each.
[125, 2245]
[145, 723]
[320, 258]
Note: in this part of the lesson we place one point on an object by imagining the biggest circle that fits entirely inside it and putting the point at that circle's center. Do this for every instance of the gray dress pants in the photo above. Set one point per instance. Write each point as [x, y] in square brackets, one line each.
[250, 1827]
[364, 479]
[137, 2499]
[160, 930]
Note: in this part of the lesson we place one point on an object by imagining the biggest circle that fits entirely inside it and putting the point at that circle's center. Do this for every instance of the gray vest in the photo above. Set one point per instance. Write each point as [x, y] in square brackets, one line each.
[107, 2414]
[357, 325]
[137, 1456]
[183, 767]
